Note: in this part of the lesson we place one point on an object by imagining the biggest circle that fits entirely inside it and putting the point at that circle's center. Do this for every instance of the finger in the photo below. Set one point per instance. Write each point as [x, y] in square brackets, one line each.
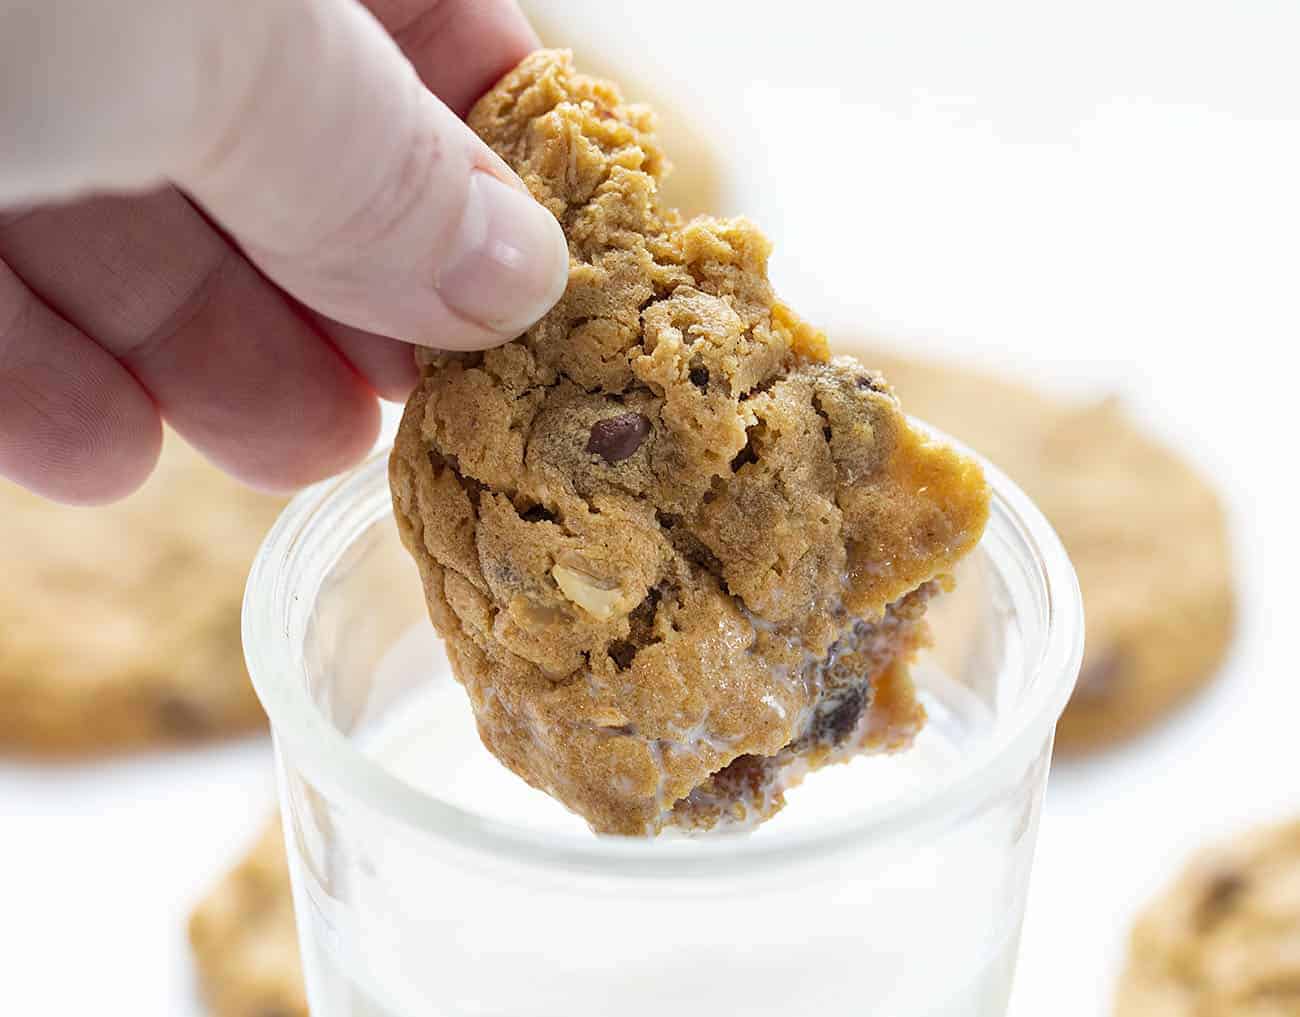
[460, 48]
[412, 232]
[169, 244]
[236, 370]
[302, 129]
[74, 425]
[388, 365]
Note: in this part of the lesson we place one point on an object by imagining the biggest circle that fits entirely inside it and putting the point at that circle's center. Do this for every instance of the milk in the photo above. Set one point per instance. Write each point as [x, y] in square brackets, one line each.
[403, 927]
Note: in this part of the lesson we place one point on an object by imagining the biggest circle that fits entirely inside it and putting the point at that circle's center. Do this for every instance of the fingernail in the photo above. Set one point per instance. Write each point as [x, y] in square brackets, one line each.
[510, 261]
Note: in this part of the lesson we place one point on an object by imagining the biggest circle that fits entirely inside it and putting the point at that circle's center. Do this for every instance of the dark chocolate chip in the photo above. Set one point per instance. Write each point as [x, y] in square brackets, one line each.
[538, 514]
[641, 627]
[616, 438]
[869, 383]
[622, 653]
[646, 609]
[1220, 897]
[183, 717]
[1102, 678]
[838, 717]
[700, 377]
[745, 456]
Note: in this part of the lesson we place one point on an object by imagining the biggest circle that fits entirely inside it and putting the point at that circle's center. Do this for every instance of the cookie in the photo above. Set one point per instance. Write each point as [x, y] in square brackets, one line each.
[1146, 533]
[245, 941]
[119, 626]
[694, 182]
[1224, 940]
[679, 555]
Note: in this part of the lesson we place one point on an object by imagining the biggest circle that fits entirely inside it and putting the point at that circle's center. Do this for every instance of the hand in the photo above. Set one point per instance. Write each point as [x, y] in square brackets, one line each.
[291, 182]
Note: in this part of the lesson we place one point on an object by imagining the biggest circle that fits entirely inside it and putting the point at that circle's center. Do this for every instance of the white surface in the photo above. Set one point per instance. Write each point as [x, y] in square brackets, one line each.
[1100, 194]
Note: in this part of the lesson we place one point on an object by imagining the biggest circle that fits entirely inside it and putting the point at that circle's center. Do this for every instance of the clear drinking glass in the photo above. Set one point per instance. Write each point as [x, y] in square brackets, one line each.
[430, 882]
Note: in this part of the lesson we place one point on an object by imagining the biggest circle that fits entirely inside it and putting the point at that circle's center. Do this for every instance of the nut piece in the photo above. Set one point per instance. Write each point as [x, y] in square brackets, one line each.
[616, 438]
[598, 597]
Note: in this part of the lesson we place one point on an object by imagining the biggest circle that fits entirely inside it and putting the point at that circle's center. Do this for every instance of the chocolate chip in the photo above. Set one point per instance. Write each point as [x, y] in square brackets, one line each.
[838, 717]
[1102, 678]
[538, 514]
[616, 438]
[622, 653]
[1220, 897]
[869, 383]
[183, 717]
[700, 377]
[745, 456]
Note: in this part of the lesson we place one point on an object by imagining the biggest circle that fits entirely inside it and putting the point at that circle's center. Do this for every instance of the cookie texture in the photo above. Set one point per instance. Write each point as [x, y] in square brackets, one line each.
[695, 182]
[244, 939]
[1146, 533]
[1224, 940]
[119, 626]
[679, 555]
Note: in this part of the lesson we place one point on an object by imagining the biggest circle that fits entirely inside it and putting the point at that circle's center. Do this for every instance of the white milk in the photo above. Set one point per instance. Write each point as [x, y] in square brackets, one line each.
[932, 934]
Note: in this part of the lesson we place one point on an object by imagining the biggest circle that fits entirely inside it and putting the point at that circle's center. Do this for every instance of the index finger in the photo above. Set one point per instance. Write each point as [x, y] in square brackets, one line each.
[460, 48]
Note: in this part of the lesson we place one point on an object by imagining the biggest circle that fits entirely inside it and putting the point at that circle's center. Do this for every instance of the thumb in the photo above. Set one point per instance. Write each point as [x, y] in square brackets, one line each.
[302, 129]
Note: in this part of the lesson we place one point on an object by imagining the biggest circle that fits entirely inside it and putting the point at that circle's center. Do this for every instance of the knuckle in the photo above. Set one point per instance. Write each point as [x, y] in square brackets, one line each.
[389, 206]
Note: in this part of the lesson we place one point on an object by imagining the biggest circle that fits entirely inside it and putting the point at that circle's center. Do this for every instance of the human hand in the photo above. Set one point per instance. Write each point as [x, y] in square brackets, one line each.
[286, 190]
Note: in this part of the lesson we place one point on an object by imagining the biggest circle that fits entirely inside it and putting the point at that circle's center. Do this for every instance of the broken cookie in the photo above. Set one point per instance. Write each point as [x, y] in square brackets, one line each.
[679, 555]
[1146, 532]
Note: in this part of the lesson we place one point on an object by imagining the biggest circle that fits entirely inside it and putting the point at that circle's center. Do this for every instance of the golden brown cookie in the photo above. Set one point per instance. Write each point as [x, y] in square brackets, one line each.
[1146, 533]
[119, 625]
[1224, 940]
[679, 555]
[245, 941]
[694, 183]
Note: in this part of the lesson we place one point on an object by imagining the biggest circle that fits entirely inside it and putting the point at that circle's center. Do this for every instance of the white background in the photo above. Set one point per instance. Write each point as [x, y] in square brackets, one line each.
[1101, 195]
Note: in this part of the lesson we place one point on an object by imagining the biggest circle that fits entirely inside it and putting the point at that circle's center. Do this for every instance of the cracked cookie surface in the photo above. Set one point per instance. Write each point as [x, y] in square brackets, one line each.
[672, 545]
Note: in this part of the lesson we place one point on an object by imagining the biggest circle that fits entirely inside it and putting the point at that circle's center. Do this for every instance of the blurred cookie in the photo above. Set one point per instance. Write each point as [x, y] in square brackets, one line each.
[245, 941]
[694, 184]
[1224, 940]
[119, 625]
[1146, 534]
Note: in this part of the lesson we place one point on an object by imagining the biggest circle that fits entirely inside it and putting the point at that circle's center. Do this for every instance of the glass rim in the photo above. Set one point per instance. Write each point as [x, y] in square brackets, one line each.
[321, 523]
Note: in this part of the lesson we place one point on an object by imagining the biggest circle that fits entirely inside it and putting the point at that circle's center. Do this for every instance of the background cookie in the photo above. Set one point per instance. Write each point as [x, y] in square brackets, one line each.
[1146, 534]
[1224, 940]
[245, 941]
[119, 626]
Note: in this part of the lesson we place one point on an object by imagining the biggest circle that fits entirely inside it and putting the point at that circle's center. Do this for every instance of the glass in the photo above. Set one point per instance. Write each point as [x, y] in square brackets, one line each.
[429, 881]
